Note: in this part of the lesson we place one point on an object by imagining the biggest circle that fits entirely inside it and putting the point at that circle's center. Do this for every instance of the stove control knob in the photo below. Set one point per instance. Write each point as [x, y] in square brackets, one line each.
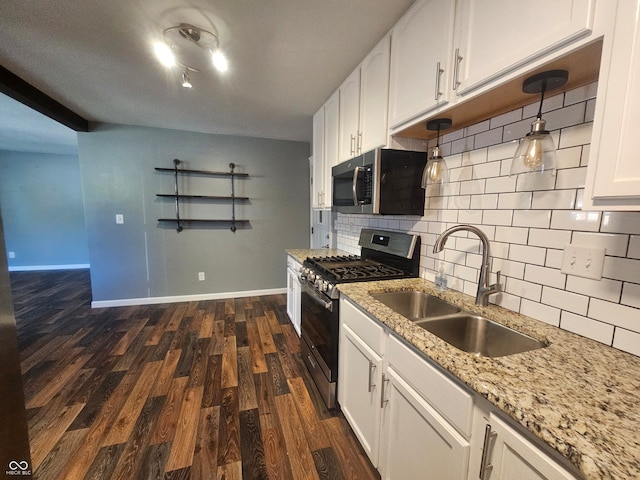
[325, 286]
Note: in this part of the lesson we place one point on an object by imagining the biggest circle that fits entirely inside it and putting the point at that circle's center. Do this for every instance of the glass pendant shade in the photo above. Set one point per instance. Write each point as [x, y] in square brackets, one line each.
[436, 172]
[536, 152]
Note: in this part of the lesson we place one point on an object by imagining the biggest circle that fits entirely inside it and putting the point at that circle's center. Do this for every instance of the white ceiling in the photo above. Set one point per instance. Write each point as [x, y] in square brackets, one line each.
[95, 57]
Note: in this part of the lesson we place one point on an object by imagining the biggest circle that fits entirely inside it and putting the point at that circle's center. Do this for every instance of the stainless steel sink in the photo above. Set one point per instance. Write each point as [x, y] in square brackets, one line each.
[416, 305]
[479, 336]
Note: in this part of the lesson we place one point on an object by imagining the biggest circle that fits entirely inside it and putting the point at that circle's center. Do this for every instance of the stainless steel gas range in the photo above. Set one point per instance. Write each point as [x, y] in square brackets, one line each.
[384, 255]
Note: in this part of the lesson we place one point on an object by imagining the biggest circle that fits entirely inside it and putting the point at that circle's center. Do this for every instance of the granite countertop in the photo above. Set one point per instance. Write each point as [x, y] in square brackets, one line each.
[579, 396]
[301, 254]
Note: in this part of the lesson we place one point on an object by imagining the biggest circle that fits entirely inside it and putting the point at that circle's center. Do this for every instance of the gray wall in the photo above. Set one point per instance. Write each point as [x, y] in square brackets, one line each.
[145, 258]
[41, 200]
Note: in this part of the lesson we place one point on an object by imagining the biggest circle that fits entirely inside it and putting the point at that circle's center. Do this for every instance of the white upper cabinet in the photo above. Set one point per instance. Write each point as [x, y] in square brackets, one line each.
[421, 45]
[325, 151]
[374, 98]
[349, 116]
[317, 172]
[493, 38]
[613, 175]
[364, 98]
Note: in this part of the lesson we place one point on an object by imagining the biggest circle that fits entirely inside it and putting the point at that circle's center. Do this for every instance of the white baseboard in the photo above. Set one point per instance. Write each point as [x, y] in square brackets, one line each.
[35, 268]
[126, 302]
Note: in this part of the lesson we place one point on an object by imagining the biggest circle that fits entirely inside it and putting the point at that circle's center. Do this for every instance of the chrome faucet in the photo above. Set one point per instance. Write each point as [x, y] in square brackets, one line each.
[484, 289]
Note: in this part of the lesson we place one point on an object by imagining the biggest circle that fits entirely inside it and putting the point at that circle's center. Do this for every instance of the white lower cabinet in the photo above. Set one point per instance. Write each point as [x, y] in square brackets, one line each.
[293, 293]
[404, 436]
[417, 443]
[416, 421]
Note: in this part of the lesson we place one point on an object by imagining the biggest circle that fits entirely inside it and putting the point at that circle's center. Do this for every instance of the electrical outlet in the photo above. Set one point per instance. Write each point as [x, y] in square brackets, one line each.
[12, 254]
[119, 218]
[201, 276]
[583, 261]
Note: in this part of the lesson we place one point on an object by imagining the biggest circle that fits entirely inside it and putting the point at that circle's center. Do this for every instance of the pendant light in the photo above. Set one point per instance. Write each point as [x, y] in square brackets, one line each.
[435, 172]
[537, 151]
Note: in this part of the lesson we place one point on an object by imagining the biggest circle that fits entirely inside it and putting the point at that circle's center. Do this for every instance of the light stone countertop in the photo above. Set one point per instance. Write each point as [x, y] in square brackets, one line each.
[579, 396]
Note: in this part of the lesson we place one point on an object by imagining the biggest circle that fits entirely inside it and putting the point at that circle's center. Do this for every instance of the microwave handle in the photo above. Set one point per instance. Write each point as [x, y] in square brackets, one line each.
[356, 171]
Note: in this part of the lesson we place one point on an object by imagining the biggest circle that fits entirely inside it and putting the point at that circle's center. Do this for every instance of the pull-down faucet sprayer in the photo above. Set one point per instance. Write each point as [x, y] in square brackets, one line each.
[484, 289]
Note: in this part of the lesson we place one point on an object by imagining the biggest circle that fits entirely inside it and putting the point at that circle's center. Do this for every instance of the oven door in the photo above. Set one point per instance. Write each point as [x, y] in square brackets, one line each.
[319, 346]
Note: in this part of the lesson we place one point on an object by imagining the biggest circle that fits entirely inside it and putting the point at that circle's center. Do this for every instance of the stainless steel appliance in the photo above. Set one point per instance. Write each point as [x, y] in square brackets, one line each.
[383, 181]
[384, 255]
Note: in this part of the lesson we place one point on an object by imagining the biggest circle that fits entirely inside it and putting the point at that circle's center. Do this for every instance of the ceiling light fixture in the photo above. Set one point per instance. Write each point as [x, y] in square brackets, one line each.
[191, 48]
[537, 151]
[435, 172]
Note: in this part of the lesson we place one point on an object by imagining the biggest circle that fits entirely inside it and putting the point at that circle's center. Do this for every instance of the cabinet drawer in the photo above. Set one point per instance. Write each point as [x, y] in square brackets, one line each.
[371, 332]
[452, 401]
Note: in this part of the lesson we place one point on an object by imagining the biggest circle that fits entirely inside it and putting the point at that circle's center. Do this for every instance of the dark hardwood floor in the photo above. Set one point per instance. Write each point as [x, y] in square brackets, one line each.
[199, 390]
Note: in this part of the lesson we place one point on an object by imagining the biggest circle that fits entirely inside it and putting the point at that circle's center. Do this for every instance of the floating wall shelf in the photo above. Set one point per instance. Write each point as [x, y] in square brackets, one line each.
[180, 197]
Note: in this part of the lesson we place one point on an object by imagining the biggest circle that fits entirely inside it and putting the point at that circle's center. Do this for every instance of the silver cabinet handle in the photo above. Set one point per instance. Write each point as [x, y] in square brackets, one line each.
[484, 466]
[352, 145]
[383, 401]
[359, 143]
[456, 69]
[372, 367]
[439, 72]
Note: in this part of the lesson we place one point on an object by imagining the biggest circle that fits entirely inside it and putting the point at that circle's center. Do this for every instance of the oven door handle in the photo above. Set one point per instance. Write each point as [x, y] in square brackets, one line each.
[318, 298]
[356, 200]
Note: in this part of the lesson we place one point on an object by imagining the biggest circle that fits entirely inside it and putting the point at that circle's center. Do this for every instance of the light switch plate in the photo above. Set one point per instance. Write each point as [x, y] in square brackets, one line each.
[583, 261]
[119, 218]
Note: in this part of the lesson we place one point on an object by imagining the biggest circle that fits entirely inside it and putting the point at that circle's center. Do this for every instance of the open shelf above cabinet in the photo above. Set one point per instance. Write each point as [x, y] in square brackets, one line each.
[181, 197]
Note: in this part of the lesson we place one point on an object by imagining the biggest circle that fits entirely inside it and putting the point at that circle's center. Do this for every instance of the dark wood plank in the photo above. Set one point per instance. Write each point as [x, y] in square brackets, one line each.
[229, 429]
[253, 459]
[327, 464]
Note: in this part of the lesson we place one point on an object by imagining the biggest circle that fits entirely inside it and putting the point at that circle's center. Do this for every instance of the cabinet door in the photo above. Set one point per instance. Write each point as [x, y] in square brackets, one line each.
[417, 443]
[374, 98]
[317, 172]
[512, 456]
[421, 43]
[493, 38]
[331, 109]
[613, 176]
[349, 116]
[359, 373]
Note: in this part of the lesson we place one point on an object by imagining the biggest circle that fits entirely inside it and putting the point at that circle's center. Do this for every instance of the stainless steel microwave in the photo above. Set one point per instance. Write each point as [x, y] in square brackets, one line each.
[383, 181]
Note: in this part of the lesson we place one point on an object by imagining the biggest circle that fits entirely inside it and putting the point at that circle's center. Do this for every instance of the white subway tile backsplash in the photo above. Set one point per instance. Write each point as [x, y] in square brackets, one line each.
[539, 237]
[627, 341]
[634, 247]
[578, 135]
[497, 217]
[554, 199]
[532, 218]
[614, 245]
[513, 201]
[565, 300]
[581, 94]
[568, 157]
[621, 222]
[541, 312]
[624, 269]
[501, 152]
[552, 277]
[532, 291]
[598, 331]
[512, 235]
[526, 254]
[575, 220]
[604, 289]
[571, 178]
[486, 170]
[472, 187]
[500, 184]
[615, 314]
[529, 221]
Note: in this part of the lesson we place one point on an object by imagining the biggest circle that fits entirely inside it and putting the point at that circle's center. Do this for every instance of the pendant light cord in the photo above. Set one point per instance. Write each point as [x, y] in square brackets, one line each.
[543, 89]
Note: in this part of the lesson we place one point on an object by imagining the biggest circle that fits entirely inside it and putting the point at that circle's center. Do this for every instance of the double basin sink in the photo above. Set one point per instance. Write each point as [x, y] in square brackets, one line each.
[464, 330]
